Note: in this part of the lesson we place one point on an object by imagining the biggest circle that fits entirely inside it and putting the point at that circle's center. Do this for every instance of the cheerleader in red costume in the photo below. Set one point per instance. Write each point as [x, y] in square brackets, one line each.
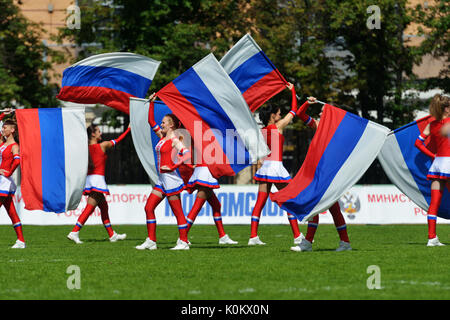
[272, 170]
[439, 172]
[170, 184]
[9, 161]
[335, 210]
[96, 187]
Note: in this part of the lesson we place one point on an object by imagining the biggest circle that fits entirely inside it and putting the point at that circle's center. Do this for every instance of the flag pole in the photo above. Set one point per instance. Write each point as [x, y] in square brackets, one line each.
[317, 101]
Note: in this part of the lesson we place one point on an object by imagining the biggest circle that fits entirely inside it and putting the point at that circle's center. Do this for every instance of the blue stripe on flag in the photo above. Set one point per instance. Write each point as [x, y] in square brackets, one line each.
[339, 148]
[106, 77]
[416, 161]
[53, 160]
[251, 71]
[215, 117]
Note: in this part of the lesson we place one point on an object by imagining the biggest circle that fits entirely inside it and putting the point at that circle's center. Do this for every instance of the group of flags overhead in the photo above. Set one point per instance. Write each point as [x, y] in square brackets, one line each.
[212, 99]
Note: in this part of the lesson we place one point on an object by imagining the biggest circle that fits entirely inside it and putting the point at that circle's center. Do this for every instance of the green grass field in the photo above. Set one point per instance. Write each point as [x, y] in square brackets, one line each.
[408, 269]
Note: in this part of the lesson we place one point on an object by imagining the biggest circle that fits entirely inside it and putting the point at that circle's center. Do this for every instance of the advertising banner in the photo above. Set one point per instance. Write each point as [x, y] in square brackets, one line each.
[362, 204]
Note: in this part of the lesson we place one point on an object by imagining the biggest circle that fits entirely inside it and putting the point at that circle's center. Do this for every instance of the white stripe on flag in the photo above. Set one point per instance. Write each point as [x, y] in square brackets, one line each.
[76, 154]
[243, 50]
[141, 134]
[135, 63]
[391, 159]
[232, 102]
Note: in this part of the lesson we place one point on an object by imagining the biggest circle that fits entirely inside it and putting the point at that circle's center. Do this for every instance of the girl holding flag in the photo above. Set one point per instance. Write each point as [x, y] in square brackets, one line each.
[96, 187]
[9, 161]
[335, 210]
[439, 172]
[272, 170]
[170, 184]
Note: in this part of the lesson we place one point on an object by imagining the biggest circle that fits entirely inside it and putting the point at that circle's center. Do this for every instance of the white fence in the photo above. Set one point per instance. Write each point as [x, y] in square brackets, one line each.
[362, 204]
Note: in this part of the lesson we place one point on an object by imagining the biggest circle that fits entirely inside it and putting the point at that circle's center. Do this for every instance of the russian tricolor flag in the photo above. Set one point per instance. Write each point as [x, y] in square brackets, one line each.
[210, 106]
[252, 72]
[109, 79]
[54, 157]
[144, 139]
[407, 167]
[341, 151]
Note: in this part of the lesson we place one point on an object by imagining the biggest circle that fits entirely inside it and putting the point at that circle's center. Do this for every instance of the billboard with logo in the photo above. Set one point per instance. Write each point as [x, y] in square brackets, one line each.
[362, 204]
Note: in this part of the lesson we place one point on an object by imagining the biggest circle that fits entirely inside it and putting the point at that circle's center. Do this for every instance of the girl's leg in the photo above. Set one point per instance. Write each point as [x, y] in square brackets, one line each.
[263, 195]
[175, 205]
[12, 213]
[216, 206]
[88, 210]
[152, 202]
[292, 218]
[104, 211]
[312, 228]
[203, 194]
[339, 222]
[306, 244]
[437, 190]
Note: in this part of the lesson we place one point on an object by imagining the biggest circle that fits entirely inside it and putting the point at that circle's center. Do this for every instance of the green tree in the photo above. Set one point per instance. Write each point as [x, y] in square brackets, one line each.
[176, 32]
[379, 61]
[434, 24]
[23, 70]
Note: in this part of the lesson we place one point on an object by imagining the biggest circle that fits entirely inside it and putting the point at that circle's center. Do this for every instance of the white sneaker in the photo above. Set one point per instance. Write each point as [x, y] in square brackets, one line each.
[299, 239]
[148, 244]
[19, 245]
[181, 245]
[188, 242]
[305, 245]
[74, 237]
[226, 240]
[115, 237]
[255, 241]
[344, 246]
[434, 242]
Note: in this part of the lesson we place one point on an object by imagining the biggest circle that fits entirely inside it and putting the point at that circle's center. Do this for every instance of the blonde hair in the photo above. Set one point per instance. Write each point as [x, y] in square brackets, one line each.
[438, 105]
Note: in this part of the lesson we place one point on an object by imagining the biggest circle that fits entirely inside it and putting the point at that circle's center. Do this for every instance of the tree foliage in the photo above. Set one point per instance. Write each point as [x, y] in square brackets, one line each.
[434, 25]
[22, 66]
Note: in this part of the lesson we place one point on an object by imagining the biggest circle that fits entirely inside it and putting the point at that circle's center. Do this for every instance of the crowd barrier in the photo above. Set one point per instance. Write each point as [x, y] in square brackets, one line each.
[362, 204]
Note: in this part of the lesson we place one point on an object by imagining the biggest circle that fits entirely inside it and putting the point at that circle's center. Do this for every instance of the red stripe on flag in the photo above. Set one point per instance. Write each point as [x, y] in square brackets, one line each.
[191, 119]
[421, 124]
[91, 95]
[330, 120]
[263, 90]
[30, 158]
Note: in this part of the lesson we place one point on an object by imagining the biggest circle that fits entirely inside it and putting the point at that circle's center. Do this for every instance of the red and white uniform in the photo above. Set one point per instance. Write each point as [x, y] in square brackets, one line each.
[272, 169]
[202, 177]
[7, 185]
[169, 182]
[95, 180]
[440, 168]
